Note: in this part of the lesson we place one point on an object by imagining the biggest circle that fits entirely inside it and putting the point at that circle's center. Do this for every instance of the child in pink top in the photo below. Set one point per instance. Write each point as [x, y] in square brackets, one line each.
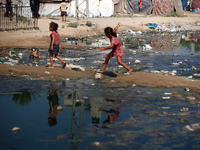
[55, 44]
[116, 47]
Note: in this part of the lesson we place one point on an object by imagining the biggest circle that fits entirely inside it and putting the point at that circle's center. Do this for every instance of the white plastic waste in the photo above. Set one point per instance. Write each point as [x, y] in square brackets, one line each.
[75, 67]
[15, 129]
[130, 32]
[147, 47]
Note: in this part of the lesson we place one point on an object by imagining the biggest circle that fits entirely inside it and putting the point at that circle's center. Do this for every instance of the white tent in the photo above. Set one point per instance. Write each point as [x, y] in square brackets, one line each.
[101, 8]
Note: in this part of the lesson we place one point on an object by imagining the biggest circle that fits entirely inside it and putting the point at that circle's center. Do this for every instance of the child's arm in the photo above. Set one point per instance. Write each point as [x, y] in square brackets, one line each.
[116, 28]
[105, 48]
[59, 43]
[52, 42]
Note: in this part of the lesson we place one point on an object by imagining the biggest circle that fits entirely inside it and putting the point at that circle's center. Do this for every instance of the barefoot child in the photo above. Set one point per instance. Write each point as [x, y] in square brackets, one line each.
[116, 47]
[55, 44]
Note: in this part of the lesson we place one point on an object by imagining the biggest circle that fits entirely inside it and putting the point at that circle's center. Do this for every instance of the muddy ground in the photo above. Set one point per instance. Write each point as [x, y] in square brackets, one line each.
[40, 38]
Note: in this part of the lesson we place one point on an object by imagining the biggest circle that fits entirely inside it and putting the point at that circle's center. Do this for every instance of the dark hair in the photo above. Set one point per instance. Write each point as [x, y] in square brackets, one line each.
[54, 26]
[109, 30]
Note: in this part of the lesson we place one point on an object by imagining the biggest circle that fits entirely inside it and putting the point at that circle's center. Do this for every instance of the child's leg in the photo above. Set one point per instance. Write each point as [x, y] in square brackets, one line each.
[119, 60]
[59, 58]
[110, 55]
[51, 60]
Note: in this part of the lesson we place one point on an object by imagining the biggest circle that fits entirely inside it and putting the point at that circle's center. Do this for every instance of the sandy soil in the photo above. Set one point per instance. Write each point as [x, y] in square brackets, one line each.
[109, 79]
[40, 38]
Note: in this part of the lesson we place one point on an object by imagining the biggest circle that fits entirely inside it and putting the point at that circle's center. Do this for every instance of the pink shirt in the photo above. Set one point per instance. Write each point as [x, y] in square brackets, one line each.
[56, 36]
[117, 49]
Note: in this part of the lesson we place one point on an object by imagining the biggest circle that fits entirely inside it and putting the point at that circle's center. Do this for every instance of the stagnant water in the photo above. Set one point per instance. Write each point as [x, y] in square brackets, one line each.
[97, 117]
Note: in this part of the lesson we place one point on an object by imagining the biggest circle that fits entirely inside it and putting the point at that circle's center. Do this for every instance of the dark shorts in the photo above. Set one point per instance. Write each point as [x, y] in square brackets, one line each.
[55, 49]
[63, 13]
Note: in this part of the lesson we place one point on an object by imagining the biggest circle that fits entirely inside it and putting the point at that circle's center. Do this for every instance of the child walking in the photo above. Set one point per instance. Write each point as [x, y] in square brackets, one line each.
[116, 47]
[55, 44]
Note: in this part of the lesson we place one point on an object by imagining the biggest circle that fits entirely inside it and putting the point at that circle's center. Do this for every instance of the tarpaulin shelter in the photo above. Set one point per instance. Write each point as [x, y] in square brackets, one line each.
[134, 6]
[120, 6]
[162, 7]
[195, 4]
[102, 8]
[184, 4]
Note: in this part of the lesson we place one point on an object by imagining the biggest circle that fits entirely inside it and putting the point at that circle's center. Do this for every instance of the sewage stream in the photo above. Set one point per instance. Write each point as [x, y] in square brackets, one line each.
[97, 117]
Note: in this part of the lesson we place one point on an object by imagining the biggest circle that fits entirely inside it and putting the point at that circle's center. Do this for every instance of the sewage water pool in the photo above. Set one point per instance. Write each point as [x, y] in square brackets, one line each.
[97, 117]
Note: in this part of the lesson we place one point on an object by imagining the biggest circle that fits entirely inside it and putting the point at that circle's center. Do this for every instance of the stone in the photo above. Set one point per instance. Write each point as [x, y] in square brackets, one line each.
[59, 108]
[98, 76]
[137, 62]
[193, 68]
[190, 98]
[175, 94]
[15, 129]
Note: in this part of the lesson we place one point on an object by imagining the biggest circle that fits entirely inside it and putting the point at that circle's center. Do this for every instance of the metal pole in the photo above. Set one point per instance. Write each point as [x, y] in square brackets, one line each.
[87, 9]
[76, 10]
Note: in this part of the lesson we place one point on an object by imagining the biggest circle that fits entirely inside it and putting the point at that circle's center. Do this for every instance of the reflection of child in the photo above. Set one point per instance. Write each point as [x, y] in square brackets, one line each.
[55, 44]
[54, 102]
[35, 53]
[113, 113]
[116, 47]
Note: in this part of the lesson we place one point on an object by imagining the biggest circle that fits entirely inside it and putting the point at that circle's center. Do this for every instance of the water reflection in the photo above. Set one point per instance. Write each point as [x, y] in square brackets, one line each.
[24, 97]
[112, 113]
[54, 102]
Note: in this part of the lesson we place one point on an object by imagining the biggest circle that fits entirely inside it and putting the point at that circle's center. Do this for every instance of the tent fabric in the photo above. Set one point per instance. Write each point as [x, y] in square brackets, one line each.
[195, 4]
[103, 8]
[178, 6]
[133, 7]
[162, 7]
[184, 4]
[120, 7]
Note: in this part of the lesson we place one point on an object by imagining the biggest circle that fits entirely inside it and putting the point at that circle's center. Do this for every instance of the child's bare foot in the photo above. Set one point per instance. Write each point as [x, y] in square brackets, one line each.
[100, 70]
[64, 65]
[50, 67]
[130, 70]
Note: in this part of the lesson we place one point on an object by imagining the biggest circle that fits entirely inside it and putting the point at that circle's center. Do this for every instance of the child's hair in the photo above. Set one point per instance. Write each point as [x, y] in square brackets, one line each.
[109, 30]
[54, 26]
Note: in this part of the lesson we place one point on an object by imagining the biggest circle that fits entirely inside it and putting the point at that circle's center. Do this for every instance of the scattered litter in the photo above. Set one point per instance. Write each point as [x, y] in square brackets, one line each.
[193, 68]
[139, 32]
[190, 98]
[15, 129]
[59, 108]
[46, 72]
[130, 32]
[184, 109]
[167, 93]
[197, 75]
[187, 89]
[189, 77]
[193, 127]
[165, 107]
[98, 76]
[165, 97]
[134, 85]
[175, 94]
[137, 62]
[75, 67]
[147, 47]
[96, 143]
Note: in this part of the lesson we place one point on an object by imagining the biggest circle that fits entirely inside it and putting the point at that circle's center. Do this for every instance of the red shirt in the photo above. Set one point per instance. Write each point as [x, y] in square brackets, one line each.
[56, 36]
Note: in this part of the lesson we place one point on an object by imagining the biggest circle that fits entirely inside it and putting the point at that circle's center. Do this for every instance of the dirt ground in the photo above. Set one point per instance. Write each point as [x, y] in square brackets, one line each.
[40, 38]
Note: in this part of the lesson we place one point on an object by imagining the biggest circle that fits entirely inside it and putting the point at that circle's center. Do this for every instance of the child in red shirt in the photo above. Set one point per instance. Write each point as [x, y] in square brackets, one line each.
[55, 44]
